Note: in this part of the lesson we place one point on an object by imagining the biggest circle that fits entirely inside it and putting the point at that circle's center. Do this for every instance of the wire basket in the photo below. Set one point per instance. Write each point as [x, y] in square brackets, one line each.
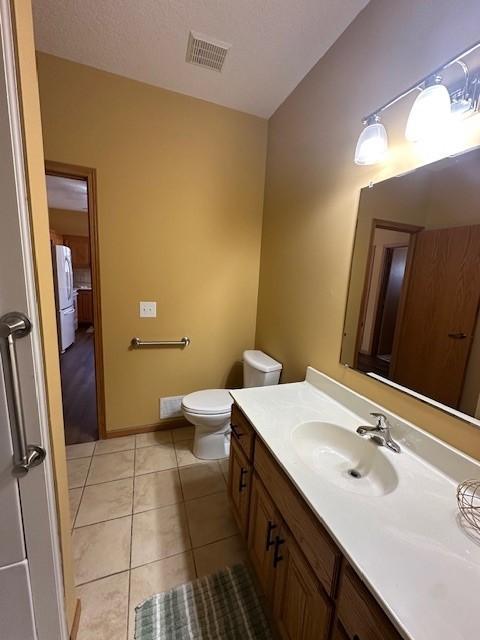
[468, 498]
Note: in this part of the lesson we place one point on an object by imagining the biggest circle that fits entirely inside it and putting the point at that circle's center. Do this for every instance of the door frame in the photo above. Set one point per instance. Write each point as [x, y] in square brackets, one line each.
[387, 259]
[89, 174]
[378, 223]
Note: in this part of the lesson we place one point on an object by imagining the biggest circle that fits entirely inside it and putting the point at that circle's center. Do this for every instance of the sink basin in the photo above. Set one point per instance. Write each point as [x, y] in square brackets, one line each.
[344, 458]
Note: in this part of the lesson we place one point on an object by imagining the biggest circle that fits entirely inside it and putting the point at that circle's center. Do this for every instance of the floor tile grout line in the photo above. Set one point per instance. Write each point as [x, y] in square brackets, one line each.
[145, 564]
[186, 551]
[131, 543]
[108, 575]
[81, 497]
[93, 484]
[135, 513]
[96, 442]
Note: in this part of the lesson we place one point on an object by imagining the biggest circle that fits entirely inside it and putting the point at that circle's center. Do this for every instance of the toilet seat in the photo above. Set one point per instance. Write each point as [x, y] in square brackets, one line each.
[208, 402]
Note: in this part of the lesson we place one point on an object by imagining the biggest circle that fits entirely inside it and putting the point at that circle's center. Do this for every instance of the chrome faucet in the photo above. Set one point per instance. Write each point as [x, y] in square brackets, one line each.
[380, 432]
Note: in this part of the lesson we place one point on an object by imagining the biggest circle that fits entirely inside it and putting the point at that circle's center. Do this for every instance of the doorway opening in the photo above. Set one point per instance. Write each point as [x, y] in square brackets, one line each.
[391, 249]
[73, 237]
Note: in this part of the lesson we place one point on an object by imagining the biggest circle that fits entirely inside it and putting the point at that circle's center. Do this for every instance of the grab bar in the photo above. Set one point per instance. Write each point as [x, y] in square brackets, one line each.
[137, 343]
[14, 326]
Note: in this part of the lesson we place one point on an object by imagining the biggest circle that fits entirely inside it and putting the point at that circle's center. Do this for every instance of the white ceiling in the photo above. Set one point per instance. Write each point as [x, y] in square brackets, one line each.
[274, 42]
[67, 193]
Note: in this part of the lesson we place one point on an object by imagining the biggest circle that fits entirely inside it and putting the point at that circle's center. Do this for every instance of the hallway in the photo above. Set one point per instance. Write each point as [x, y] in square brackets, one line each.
[77, 369]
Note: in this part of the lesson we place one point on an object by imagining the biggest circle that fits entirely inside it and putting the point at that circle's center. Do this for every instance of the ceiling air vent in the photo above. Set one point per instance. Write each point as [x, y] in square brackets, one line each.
[206, 52]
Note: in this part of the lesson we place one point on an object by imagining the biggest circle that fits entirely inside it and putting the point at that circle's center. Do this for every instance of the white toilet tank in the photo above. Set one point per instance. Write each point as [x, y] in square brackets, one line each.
[260, 370]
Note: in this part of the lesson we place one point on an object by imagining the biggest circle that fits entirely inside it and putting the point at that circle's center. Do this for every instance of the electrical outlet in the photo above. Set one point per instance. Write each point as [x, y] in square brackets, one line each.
[171, 407]
[148, 309]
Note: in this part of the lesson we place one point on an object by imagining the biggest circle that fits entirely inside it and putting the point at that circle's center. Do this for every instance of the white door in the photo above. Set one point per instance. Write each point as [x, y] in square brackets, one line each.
[64, 273]
[31, 586]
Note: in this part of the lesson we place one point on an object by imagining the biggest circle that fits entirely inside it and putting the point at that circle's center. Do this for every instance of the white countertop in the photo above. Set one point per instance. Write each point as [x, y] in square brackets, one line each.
[409, 545]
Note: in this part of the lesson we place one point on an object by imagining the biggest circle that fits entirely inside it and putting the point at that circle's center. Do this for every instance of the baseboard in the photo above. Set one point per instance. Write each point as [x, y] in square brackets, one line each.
[165, 425]
[76, 620]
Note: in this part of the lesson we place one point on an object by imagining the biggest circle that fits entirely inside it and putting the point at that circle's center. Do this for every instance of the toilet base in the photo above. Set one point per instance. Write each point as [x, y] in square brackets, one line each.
[208, 445]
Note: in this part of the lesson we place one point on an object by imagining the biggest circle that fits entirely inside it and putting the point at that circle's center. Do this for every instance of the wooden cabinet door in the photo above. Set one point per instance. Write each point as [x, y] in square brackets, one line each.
[265, 523]
[360, 614]
[80, 248]
[339, 633]
[85, 307]
[301, 608]
[239, 485]
[55, 238]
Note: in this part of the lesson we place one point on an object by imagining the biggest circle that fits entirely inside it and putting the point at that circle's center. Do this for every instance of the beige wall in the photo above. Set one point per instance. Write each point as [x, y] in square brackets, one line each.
[180, 196]
[43, 263]
[71, 223]
[312, 187]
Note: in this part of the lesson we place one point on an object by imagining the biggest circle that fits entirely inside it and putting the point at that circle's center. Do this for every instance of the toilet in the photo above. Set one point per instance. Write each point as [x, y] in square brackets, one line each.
[209, 410]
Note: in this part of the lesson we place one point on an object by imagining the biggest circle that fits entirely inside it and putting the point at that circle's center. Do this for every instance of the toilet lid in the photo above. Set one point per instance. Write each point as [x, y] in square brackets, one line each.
[208, 401]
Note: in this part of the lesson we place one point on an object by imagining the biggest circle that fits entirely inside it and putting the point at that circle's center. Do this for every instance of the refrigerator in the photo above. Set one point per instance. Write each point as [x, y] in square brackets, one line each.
[64, 294]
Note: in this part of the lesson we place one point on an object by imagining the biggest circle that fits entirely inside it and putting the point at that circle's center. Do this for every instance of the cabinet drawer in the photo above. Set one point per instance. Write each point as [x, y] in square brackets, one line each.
[242, 431]
[239, 485]
[359, 613]
[316, 544]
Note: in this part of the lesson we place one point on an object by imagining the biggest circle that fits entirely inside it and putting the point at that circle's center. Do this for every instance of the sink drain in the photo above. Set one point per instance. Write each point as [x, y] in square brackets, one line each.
[354, 473]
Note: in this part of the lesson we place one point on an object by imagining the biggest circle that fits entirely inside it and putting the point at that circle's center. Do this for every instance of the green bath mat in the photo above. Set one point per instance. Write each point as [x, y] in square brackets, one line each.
[222, 606]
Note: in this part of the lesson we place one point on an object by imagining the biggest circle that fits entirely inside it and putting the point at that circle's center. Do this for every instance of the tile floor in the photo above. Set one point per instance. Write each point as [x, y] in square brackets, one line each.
[146, 516]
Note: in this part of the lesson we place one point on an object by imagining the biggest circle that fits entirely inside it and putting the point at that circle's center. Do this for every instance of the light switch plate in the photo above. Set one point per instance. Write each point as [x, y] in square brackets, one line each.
[148, 309]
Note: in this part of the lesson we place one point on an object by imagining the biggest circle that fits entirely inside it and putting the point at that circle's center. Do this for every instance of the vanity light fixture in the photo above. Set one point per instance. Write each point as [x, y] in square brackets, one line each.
[372, 144]
[463, 100]
[431, 113]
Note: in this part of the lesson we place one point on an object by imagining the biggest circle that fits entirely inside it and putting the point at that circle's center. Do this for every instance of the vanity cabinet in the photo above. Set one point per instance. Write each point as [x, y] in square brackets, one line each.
[312, 593]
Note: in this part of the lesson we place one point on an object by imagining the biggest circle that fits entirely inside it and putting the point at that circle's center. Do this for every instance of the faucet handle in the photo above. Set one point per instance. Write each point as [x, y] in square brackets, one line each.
[382, 421]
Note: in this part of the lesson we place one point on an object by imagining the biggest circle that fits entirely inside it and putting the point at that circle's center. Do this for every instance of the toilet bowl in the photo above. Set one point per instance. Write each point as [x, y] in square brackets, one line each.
[209, 410]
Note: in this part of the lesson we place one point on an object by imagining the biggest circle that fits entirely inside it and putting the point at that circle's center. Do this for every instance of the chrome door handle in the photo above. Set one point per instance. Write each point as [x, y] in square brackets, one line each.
[13, 326]
[457, 336]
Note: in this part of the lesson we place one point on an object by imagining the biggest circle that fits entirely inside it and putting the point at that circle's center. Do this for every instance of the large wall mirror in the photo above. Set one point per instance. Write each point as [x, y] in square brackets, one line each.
[412, 312]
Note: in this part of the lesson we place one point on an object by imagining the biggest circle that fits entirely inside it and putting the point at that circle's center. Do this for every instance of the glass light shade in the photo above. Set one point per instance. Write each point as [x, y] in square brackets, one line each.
[430, 113]
[372, 144]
